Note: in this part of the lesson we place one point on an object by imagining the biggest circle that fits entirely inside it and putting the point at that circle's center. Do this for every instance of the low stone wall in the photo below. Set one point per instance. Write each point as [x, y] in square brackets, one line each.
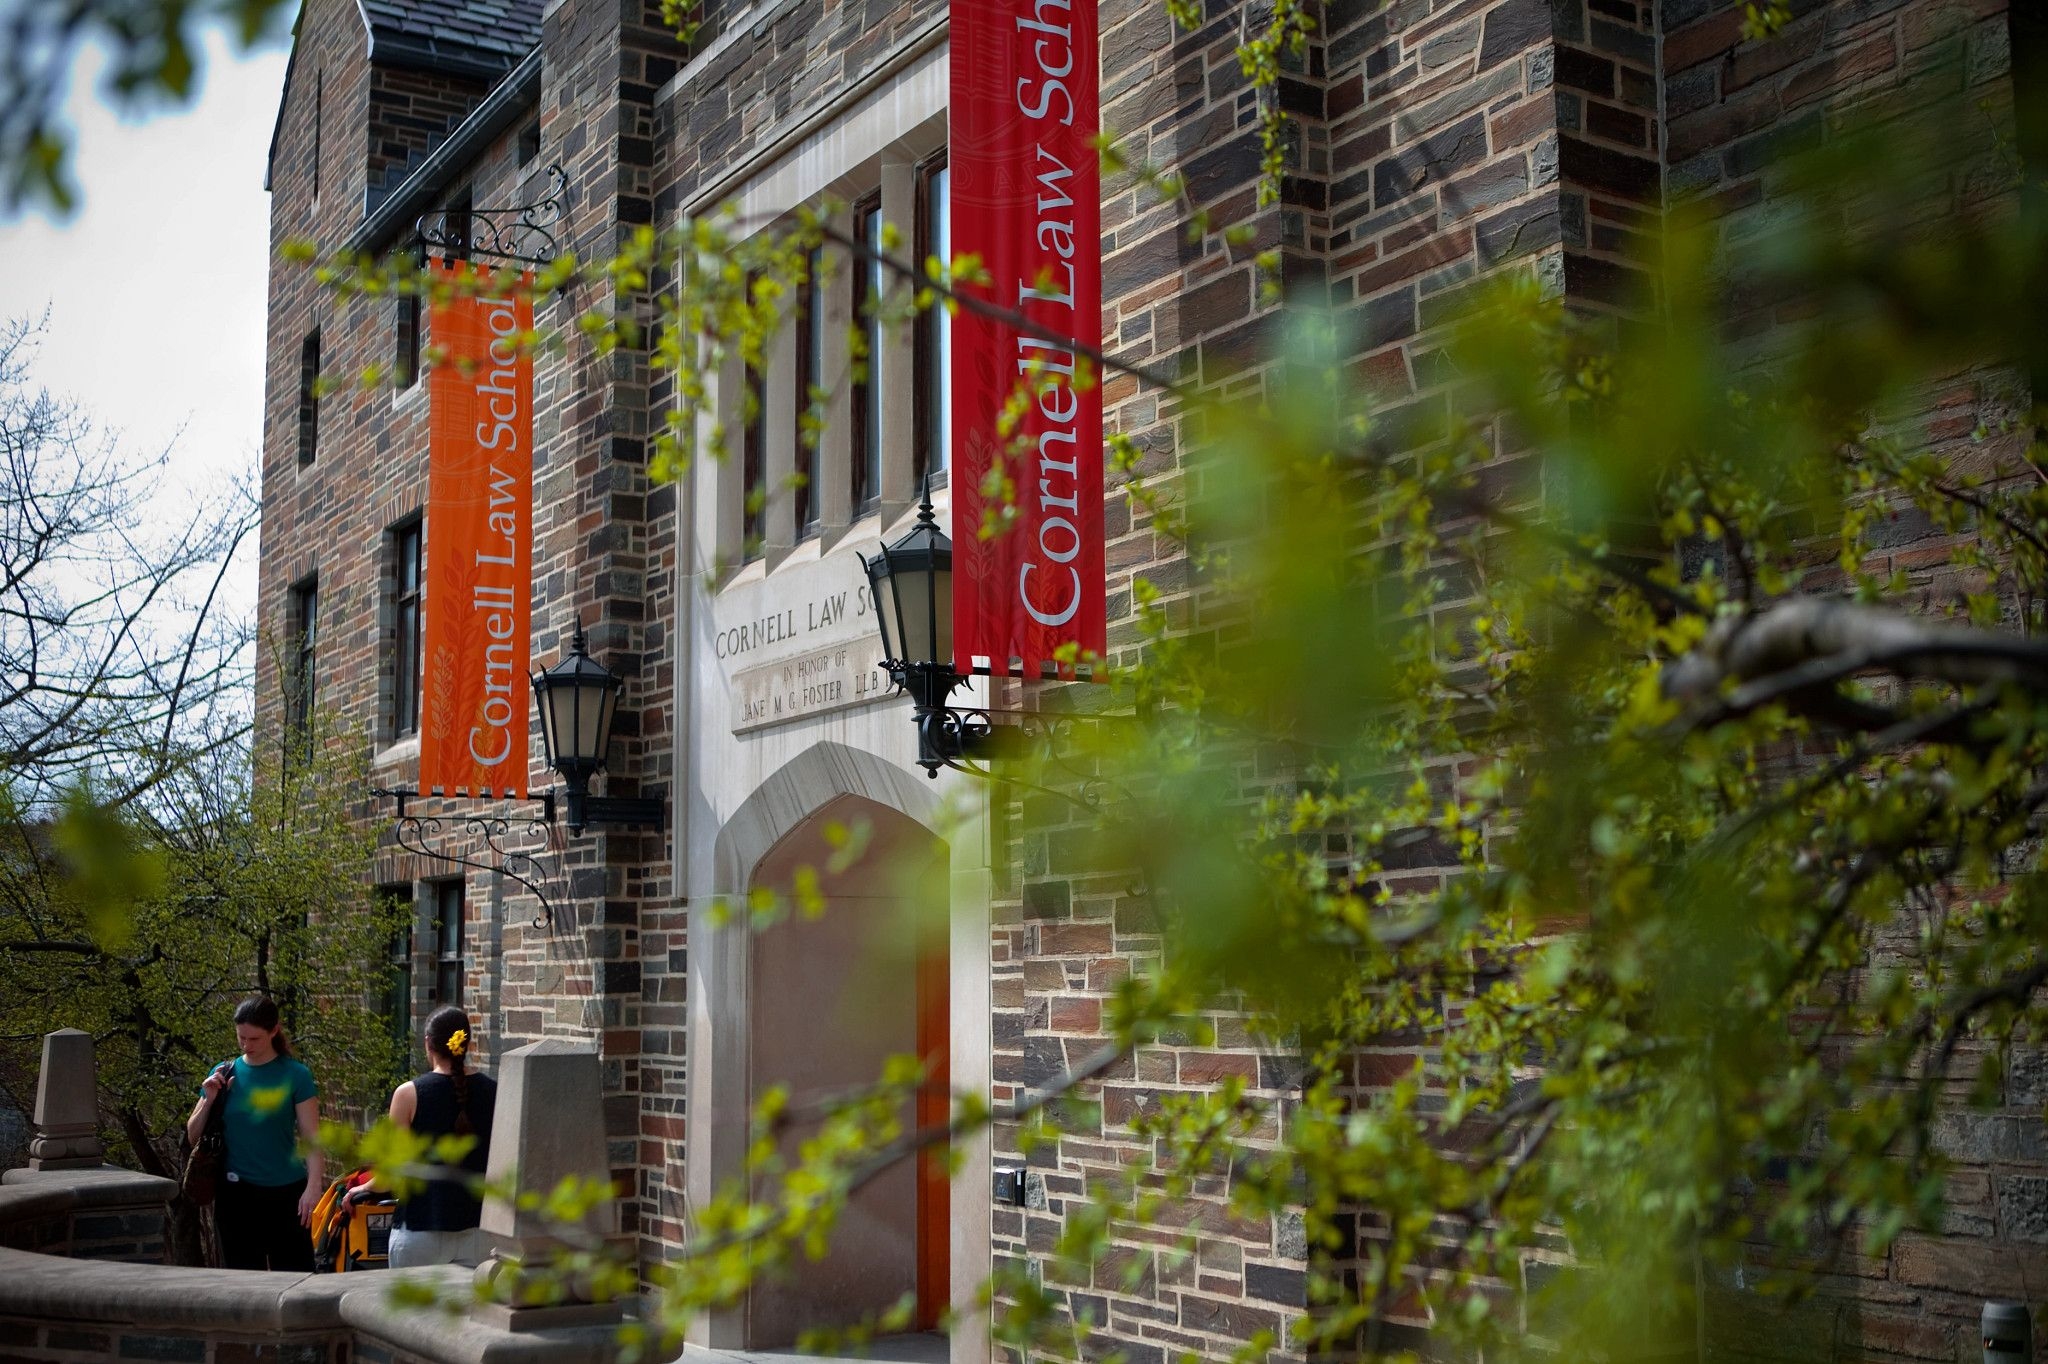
[55, 1310]
[103, 1214]
[71, 1294]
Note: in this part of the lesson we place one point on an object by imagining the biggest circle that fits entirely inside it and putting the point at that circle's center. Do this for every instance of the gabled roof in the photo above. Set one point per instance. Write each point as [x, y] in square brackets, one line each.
[481, 38]
[485, 37]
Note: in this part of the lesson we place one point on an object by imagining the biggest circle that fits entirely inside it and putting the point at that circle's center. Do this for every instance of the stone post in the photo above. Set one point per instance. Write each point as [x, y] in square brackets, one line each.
[67, 1105]
[549, 1125]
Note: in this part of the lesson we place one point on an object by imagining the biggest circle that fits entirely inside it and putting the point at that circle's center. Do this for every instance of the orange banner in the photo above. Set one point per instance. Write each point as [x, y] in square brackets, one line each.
[479, 547]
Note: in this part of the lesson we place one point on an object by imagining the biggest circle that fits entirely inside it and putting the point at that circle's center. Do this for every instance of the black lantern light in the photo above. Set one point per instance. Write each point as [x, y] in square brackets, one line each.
[577, 699]
[912, 585]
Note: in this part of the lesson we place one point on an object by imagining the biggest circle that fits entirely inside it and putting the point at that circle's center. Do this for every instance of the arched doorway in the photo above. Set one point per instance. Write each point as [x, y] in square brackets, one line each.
[831, 996]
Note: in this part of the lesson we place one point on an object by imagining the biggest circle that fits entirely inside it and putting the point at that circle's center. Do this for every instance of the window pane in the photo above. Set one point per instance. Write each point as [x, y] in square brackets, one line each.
[405, 620]
[448, 919]
[448, 983]
[309, 400]
[941, 209]
[396, 1005]
[810, 373]
[302, 681]
[407, 340]
[875, 283]
[753, 454]
[409, 559]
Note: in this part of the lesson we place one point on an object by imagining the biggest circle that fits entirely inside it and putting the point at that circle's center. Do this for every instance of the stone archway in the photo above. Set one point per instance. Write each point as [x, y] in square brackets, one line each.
[832, 994]
[721, 1012]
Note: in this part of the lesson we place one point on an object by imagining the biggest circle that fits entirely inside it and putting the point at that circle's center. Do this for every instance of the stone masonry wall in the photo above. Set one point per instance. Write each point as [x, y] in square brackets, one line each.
[1430, 154]
[1732, 107]
[1461, 136]
[1064, 933]
[411, 113]
[604, 550]
[105, 1234]
[331, 520]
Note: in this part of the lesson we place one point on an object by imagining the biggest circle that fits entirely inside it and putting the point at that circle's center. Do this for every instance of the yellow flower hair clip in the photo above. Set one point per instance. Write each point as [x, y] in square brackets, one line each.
[458, 1041]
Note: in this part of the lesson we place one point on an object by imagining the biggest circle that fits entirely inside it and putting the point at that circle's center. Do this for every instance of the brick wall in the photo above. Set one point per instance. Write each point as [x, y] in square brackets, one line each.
[1732, 106]
[1429, 141]
[332, 518]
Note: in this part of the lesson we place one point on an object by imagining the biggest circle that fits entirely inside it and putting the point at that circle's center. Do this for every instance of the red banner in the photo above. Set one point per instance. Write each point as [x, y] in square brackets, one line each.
[1026, 185]
[479, 570]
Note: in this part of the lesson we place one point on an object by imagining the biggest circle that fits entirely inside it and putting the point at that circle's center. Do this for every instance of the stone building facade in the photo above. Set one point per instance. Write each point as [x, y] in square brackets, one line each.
[1436, 140]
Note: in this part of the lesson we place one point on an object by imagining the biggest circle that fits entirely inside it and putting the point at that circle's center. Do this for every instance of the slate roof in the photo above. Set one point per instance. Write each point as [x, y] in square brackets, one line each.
[452, 35]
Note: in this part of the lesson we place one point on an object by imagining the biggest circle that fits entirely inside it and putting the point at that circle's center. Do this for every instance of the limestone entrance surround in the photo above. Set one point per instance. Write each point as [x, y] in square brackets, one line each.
[720, 978]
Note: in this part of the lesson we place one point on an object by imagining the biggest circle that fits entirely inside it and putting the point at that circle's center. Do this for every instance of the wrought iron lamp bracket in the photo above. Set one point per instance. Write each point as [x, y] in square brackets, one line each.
[958, 737]
[414, 832]
[522, 233]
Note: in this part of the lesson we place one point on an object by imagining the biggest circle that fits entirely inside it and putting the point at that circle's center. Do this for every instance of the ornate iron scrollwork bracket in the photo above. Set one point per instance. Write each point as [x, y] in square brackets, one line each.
[522, 233]
[952, 736]
[415, 833]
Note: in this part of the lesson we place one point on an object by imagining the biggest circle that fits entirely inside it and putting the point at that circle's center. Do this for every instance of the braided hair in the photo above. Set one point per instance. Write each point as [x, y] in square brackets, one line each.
[444, 1026]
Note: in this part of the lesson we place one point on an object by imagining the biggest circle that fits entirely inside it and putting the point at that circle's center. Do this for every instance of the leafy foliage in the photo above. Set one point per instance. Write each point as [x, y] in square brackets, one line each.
[155, 867]
[152, 48]
[254, 886]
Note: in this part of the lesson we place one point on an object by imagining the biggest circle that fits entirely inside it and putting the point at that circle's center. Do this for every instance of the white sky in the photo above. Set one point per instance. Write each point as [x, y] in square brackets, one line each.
[156, 284]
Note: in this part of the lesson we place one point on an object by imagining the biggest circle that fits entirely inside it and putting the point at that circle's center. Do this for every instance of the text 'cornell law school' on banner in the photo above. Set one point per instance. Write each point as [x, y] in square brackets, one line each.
[479, 548]
[1027, 199]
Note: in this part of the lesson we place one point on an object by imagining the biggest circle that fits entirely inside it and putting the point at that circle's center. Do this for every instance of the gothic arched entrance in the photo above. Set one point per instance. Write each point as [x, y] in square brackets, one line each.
[831, 995]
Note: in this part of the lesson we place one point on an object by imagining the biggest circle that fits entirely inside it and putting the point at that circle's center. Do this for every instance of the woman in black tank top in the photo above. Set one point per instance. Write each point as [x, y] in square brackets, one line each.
[438, 1225]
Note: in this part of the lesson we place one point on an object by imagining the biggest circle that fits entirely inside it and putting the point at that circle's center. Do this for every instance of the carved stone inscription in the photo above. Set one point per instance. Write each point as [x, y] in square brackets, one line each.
[844, 673]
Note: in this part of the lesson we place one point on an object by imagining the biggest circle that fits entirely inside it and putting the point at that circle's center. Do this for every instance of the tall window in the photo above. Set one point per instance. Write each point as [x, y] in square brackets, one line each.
[301, 672]
[396, 1006]
[870, 286]
[447, 942]
[810, 373]
[405, 359]
[753, 457]
[309, 395]
[405, 622]
[753, 463]
[934, 446]
[319, 92]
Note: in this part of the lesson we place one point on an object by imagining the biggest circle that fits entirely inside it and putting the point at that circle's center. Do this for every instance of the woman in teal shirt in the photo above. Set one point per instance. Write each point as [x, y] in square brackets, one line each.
[265, 1202]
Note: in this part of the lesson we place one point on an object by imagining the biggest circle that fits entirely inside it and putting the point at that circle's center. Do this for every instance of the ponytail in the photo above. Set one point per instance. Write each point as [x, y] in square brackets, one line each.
[260, 1011]
[448, 1038]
